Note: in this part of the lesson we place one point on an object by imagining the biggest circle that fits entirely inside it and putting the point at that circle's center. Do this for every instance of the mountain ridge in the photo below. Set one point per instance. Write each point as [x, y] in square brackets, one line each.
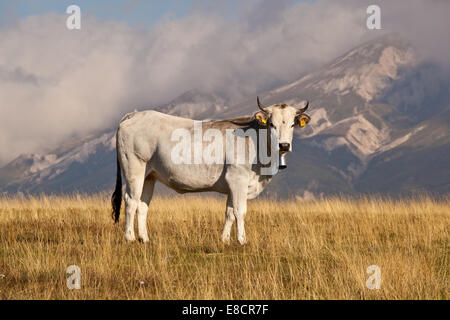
[356, 135]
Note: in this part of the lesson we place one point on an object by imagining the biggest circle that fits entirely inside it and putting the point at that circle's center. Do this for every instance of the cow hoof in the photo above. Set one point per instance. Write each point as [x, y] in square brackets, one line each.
[130, 237]
[243, 242]
[226, 240]
[144, 239]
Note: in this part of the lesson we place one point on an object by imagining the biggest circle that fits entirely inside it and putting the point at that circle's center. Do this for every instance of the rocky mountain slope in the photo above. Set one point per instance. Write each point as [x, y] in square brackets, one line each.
[379, 125]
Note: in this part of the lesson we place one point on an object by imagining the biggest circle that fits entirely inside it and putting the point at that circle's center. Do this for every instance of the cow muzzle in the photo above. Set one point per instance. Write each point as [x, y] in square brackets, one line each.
[284, 147]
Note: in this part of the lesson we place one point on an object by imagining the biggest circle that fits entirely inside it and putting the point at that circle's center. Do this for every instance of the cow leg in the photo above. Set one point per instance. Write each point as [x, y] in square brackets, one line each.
[146, 197]
[229, 219]
[135, 183]
[240, 210]
[239, 201]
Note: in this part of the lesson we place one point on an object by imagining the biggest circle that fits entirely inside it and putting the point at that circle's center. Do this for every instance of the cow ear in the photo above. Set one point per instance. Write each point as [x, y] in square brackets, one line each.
[301, 120]
[262, 117]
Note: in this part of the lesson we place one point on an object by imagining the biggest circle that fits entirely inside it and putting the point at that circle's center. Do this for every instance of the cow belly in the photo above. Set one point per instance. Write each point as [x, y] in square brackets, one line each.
[190, 178]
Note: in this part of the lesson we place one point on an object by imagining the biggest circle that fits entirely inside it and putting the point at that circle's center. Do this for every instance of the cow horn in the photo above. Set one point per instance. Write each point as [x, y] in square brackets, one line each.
[304, 108]
[263, 109]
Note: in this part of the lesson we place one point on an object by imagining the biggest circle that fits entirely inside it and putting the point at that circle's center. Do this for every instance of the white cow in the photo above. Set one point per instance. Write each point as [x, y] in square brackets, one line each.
[145, 152]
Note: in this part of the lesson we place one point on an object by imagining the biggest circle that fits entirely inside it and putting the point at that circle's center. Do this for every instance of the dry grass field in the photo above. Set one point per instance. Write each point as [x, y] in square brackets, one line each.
[297, 250]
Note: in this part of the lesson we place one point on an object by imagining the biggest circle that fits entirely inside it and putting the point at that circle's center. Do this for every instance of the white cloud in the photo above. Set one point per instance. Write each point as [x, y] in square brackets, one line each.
[56, 83]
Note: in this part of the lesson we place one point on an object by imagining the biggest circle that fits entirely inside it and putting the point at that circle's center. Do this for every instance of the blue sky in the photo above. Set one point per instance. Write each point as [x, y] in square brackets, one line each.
[146, 12]
[132, 11]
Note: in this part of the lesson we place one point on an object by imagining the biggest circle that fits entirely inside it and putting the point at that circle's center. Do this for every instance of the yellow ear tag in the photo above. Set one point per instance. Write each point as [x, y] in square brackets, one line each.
[302, 123]
[264, 120]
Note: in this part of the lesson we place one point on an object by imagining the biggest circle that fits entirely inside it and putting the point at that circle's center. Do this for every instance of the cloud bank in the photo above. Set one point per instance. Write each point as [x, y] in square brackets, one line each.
[56, 83]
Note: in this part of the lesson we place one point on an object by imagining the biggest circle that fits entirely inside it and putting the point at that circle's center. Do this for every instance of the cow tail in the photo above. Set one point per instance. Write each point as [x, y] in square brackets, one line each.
[116, 199]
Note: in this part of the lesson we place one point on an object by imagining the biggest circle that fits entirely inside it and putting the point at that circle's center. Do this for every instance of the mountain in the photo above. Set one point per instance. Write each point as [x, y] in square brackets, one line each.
[379, 125]
[86, 165]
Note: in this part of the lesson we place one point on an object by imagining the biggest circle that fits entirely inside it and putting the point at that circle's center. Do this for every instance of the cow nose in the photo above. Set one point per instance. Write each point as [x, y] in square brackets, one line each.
[284, 146]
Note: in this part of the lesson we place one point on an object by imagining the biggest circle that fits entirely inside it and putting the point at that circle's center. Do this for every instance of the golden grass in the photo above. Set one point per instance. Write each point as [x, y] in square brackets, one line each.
[312, 250]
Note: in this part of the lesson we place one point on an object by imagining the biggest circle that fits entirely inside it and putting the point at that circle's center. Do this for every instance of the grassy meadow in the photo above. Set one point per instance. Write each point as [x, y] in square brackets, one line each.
[297, 250]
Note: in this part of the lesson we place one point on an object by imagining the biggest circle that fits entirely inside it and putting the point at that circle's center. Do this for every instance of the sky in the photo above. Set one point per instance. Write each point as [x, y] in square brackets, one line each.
[134, 12]
[57, 83]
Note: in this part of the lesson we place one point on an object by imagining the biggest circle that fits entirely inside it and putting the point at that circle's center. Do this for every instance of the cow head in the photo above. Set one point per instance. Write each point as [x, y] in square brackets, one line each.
[281, 119]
